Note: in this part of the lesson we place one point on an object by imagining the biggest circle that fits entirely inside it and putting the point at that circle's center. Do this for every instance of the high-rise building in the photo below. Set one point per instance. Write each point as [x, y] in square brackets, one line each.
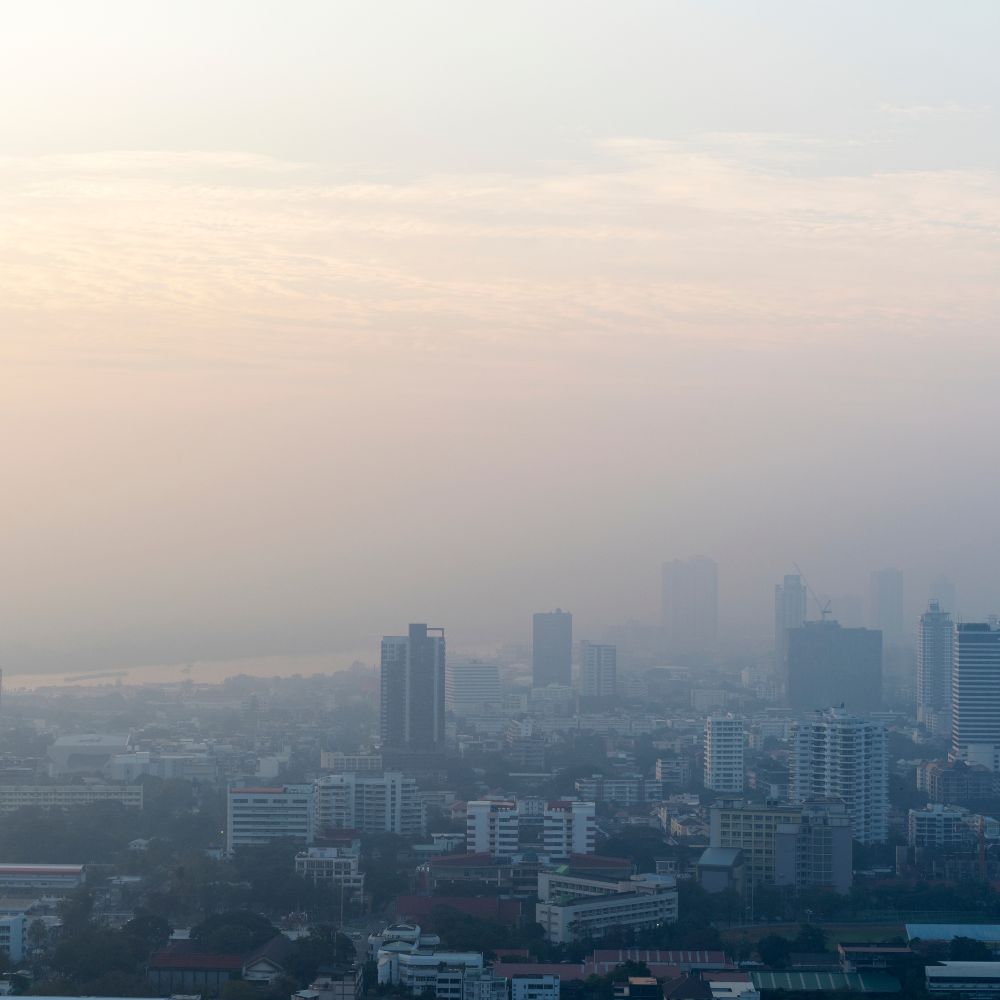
[833, 754]
[690, 606]
[975, 694]
[885, 606]
[472, 687]
[724, 753]
[789, 611]
[934, 667]
[828, 665]
[552, 648]
[570, 827]
[412, 688]
[491, 827]
[598, 670]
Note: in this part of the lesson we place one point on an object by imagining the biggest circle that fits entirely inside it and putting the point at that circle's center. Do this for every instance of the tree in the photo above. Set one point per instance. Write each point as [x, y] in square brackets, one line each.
[965, 949]
[774, 950]
[234, 932]
[810, 938]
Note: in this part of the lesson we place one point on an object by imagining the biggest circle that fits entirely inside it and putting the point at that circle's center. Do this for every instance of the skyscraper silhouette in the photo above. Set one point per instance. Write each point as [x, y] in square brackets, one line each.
[412, 689]
[690, 606]
[552, 648]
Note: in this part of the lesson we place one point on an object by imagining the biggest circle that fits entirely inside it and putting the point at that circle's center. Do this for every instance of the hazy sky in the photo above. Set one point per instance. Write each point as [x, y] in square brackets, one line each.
[323, 317]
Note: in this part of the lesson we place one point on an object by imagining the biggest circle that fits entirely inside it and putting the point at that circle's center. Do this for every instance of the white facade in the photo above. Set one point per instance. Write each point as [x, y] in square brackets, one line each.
[472, 687]
[13, 797]
[12, 936]
[833, 754]
[491, 827]
[938, 826]
[373, 803]
[259, 815]
[570, 827]
[975, 694]
[449, 975]
[724, 753]
[598, 670]
[534, 987]
[335, 867]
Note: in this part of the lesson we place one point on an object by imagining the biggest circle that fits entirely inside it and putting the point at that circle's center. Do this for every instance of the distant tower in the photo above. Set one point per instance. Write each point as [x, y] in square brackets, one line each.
[942, 590]
[598, 670]
[690, 606]
[934, 666]
[885, 605]
[789, 611]
[552, 648]
[412, 689]
[975, 694]
[826, 665]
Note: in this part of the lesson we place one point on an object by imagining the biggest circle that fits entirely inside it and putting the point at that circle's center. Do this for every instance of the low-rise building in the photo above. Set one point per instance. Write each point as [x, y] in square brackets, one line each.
[51, 879]
[534, 986]
[336, 867]
[13, 797]
[938, 825]
[963, 980]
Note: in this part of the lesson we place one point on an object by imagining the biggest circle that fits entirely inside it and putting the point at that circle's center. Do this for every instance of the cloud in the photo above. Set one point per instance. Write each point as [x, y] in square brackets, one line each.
[931, 112]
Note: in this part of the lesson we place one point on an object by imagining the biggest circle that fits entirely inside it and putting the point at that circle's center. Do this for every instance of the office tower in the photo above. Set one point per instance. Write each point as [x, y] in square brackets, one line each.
[552, 648]
[826, 665]
[836, 755]
[975, 694]
[789, 611]
[384, 802]
[598, 670]
[690, 606]
[256, 816]
[724, 753]
[472, 687]
[934, 666]
[412, 687]
[942, 590]
[491, 828]
[885, 604]
[570, 827]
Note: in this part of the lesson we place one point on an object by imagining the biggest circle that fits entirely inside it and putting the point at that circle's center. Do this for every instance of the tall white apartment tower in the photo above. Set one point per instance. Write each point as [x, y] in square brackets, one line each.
[836, 755]
[570, 828]
[491, 827]
[934, 667]
[724, 753]
[598, 670]
[975, 694]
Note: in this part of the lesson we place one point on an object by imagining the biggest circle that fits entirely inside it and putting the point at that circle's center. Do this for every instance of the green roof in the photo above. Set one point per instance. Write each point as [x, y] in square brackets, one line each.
[827, 982]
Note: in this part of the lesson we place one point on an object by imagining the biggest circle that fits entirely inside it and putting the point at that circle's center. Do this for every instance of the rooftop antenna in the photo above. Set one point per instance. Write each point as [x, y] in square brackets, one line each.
[822, 606]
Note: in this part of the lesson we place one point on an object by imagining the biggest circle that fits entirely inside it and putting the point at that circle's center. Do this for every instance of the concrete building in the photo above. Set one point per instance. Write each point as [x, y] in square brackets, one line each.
[571, 908]
[751, 828]
[690, 606]
[335, 984]
[447, 975]
[955, 781]
[829, 665]
[627, 790]
[13, 936]
[491, 827]
[975, 694]
[339, 763]
[51, 880]
[569, 827]
[259, 815]
[13, 797]
[84, 754]
[598, 670]
[789, 611]
[724, 753]
[472, 687]
[939, 825]
[963, 980]
[336, 867]
[934, 667]
[168, 766]
[817, 849]
[534, 986]
[412, 691]
[552, 649]
[721, 868]
[388, 802]
[836, 755]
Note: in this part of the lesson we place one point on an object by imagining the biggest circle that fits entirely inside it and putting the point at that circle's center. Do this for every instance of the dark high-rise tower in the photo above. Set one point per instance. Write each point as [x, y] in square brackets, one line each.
[934, 666]
[789, 611]
[827, 666]
[552, 648]
[412, 688]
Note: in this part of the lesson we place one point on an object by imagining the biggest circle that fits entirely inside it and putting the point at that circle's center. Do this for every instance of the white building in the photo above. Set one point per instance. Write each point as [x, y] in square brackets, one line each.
[386, 802]
[13, 797]
[491, 827]
[449, 975]
[975, 694]
[570, 827]
[346, 984]
[598, 670]
[333, 760]
[258, 815]
[724, 753]
[934, 667]
[84, 754]
[472, 687]
[12, 936]
[571, 908]
[833, 754]
[50, 879]
[938, 825]
[526, 986]
[963, 980]
[335, 867]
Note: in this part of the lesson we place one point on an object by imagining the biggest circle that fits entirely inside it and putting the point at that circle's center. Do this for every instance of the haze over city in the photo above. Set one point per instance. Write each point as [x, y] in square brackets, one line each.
[320, 318]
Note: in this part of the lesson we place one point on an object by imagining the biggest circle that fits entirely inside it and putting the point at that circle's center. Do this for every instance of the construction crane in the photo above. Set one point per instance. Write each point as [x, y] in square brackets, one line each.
[823, 607]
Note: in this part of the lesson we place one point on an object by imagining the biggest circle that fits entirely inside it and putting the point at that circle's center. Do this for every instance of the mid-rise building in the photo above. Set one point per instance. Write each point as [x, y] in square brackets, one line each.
[690, 606]
[53, 880]
[472, 687]
[333, 760]
[627, 790]
[598, 670]
[388, 802]
[826, 664]
[552, 649]
[938, 825]
[569, 827]
[934, 667]
[724, 753]
[491, 827]
[13, 797]
[975, 694]
[955, 781]
[335, 867]
[259, 815]
[412, 691]
[817, 849]
[534, 986]
[836, 755]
